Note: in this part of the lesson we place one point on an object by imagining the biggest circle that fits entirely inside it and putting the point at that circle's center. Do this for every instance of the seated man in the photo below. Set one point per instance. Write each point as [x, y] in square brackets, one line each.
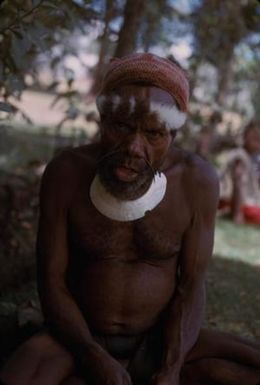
[125, 235]
[240, 179]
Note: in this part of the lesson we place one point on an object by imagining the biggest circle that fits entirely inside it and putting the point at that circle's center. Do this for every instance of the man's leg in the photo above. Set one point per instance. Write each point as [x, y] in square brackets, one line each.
[220, 358]
[213, 371]
[39, 361]
[73, 380]
[216, 344]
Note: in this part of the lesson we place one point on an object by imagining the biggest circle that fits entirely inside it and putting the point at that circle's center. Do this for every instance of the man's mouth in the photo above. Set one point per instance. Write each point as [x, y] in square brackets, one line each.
[126, 174]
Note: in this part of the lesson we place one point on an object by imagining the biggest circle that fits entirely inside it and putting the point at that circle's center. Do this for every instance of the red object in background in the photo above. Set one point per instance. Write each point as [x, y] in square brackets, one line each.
[223, 204]
[252, 214]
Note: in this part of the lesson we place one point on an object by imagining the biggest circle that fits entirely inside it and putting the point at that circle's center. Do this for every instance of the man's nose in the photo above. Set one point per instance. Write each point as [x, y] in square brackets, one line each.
[136, 145]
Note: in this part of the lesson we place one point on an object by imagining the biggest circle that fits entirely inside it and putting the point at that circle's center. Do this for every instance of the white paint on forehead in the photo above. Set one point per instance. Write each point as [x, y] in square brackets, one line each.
[132, 103]
[116, 101]
[101, 101]
[170, 115]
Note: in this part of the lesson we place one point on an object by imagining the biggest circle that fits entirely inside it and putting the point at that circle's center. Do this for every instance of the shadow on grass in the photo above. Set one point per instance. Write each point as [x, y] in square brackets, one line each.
[233, 297]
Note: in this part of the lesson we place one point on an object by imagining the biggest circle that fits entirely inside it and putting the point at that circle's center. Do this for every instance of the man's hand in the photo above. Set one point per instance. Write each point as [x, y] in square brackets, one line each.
[166, 378]
[101, 369]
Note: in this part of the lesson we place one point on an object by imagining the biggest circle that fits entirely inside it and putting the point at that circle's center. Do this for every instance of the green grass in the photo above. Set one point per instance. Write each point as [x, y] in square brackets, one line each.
[233, 297]
[233, 281]
[239, 242]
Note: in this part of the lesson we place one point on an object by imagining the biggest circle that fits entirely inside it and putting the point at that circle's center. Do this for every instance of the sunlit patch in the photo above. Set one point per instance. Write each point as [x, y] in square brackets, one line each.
[170, 115]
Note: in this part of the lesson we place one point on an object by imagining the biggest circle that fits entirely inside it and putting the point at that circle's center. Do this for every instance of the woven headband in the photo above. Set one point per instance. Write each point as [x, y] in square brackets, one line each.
[150, 69]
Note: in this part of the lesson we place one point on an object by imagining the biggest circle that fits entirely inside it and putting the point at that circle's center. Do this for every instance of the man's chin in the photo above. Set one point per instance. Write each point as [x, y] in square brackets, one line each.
[125, 186]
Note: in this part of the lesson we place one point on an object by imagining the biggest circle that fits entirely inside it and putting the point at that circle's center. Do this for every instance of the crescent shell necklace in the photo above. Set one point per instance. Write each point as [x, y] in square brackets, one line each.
[124, 211]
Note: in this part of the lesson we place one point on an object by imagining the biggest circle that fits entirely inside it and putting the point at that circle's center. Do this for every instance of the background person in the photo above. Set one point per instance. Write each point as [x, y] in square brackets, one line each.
[240, 178]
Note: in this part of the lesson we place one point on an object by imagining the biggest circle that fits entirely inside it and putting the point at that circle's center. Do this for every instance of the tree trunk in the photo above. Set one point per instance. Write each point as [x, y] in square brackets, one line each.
[104, 44]
[133, 15]
[225, 75]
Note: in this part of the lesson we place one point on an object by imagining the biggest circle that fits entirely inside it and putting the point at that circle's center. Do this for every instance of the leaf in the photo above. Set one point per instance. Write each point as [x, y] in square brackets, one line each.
[20, 47]
[53, 85]
[67, 94]
[36, 3]
[48, 4]
[15, 84]
[1, 71]
[6, 107]
[18, 34]
[72, 112]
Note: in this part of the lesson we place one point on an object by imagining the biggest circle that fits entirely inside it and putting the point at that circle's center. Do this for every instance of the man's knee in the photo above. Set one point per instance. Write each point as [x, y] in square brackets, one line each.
[73, 380]
[39, 358]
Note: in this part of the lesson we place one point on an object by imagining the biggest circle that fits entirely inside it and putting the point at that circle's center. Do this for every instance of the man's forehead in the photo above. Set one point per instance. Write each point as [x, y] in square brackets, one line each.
[134, 97]
[143, 94]
[139, 100]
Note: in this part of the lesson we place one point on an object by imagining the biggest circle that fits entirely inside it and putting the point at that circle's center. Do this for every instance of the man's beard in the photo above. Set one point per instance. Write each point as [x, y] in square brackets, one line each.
[107, 165]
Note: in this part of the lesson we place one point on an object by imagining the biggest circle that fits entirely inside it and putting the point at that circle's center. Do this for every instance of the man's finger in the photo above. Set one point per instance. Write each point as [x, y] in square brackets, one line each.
[127, 379]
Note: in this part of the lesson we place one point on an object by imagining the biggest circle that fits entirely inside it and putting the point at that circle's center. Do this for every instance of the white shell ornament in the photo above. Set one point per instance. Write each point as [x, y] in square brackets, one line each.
[124, 211]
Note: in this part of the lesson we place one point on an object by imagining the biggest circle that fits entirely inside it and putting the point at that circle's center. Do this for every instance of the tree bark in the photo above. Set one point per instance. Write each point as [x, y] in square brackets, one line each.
[133, 15]
[225, 74]
[104, 44]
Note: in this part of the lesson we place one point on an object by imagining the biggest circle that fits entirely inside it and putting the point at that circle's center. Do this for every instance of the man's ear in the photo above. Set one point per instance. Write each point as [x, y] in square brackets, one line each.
[101, 126]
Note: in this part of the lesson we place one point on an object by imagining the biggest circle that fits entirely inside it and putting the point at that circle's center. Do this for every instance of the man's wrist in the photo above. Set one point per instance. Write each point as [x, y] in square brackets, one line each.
[171, 369]
[85, 350]
[167, 376]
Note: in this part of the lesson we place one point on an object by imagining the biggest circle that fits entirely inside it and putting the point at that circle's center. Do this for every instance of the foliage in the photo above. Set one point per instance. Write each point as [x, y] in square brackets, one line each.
[219, 27]
[31, 27]
[34, 33]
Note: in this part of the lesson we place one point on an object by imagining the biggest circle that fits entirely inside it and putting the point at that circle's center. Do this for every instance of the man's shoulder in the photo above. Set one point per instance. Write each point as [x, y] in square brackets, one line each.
[196, 170]
[72, 161]
[200, 182]
[66, 171]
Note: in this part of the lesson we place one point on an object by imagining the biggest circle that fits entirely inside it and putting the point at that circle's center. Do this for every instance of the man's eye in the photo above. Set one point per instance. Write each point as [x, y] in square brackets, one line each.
[154, 134]
[122, 127]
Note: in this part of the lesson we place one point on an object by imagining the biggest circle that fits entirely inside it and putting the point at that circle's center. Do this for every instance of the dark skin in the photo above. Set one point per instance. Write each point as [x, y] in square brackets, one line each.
[97, 276]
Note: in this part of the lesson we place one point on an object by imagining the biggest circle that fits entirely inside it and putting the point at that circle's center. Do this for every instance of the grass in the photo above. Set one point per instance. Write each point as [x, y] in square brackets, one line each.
[233, 281]
[238, 242]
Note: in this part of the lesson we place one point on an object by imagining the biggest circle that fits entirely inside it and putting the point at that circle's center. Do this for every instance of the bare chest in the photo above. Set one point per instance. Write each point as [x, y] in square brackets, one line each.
[157, 236]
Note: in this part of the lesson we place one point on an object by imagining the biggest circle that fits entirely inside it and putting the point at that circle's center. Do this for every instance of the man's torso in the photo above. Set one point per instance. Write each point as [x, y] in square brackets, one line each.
[123, 274]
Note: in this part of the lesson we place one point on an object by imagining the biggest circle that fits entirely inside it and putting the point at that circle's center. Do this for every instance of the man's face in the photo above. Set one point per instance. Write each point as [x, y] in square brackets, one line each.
[134, 139]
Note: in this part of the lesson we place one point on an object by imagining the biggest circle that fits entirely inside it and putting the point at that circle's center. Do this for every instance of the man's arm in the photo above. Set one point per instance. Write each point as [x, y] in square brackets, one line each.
[61, 312]
[185, 312]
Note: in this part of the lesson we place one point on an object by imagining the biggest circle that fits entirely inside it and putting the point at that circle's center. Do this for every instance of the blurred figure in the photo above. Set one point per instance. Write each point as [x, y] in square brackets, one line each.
[240, 179]
[207, 137]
